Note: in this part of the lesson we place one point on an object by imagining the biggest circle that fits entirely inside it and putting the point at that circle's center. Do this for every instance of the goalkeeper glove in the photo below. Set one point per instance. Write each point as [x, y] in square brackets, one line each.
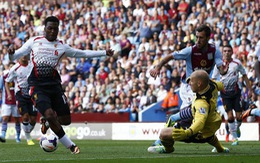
[181, 134]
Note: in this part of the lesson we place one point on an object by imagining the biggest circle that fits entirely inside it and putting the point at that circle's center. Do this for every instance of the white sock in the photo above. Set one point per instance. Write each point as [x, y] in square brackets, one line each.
[30, 127]
[65, 140]
[26, 128]
[233, 130]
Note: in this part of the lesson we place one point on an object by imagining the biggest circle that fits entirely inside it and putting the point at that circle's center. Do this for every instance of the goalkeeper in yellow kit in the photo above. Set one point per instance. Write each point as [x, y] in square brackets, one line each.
[206, 119]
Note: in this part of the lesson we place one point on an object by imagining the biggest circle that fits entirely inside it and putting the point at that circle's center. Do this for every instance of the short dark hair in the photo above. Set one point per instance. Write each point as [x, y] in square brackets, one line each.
[228, 46]
[51, 19]
[205, 28]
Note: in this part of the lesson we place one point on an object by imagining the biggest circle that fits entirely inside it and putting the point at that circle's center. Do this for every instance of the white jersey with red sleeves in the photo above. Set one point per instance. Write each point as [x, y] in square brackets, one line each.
[45, 56]
[19, 74]
[230, 79]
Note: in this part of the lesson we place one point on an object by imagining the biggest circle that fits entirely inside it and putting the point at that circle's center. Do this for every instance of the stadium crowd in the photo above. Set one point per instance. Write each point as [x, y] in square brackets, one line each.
[141, 33]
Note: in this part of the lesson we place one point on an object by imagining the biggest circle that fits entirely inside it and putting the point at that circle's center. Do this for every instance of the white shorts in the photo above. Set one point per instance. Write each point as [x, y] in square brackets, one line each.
[186, 95]
[8, 110]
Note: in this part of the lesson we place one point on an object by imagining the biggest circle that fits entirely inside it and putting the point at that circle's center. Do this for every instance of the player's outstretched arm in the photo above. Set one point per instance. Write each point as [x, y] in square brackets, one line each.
[156, 70]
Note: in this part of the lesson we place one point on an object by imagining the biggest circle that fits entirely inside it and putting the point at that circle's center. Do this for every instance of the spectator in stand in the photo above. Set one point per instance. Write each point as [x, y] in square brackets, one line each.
[161, 93]
[109, 106]
[156, 25]
[134, 109]
[173, 13]
[125, 45]
[183, 8]
[65, 77]
[80, 81]
[171, 102]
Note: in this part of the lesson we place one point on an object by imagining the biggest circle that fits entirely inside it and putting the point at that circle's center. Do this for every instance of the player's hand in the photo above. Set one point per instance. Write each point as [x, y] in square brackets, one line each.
[155, 72]
[109, 52]
[9, 97]
[11, 50]
[181, 134]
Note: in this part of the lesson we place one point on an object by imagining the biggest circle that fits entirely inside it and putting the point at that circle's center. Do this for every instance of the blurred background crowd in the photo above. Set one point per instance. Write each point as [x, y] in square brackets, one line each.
[141, 32]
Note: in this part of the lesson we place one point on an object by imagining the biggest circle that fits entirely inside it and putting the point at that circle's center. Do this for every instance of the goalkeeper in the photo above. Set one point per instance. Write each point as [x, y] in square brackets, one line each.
[206, 119]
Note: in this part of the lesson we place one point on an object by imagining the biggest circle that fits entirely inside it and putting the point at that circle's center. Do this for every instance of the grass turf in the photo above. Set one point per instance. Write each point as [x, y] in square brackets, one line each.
[108, 151]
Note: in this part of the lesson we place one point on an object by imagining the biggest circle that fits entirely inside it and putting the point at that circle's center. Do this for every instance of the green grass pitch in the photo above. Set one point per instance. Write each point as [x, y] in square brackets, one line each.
[108, 151]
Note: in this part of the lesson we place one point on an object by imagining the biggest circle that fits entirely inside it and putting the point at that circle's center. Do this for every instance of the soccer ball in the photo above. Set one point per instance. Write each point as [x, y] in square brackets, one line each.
[49, 142]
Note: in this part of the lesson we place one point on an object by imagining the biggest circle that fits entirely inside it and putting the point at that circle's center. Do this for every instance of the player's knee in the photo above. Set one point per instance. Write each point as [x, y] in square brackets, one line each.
[65, 120]
[50, 115]
[164, 134]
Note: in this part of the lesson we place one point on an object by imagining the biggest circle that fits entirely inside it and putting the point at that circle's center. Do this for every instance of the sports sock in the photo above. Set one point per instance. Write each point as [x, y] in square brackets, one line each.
[175, 117]
[65, 140]
[168, 145]
[25, 127]
[18, 129]
[233, 129]
[31, 127]
[186, 113]
[4, 128]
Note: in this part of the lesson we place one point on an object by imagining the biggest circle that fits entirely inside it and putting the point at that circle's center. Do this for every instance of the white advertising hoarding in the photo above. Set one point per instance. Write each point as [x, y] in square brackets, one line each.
[150, 131]
[129, 131]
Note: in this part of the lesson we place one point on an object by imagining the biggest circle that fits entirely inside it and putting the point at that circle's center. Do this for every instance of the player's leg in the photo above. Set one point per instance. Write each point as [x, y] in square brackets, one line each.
[229, 105]
[232, 127]
[252, 110]
[52, 103]
[18, 129]
[61, 107]
[5, 113]
[167, 142]
[238, 123]
[28, 116]
[184, 114]
[227, 130]
[25, 126]
[223, 114]
[255, 112]
[238, 114]
[218, 147]
[16, 115]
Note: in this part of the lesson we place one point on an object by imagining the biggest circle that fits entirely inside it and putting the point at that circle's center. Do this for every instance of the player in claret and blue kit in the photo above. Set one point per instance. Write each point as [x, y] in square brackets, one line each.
[203, 55]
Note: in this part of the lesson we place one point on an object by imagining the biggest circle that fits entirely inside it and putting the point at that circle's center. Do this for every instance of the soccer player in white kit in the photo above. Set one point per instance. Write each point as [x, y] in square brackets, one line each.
[44, 80]
[9, 107]
[18, 74]
[231, 94]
